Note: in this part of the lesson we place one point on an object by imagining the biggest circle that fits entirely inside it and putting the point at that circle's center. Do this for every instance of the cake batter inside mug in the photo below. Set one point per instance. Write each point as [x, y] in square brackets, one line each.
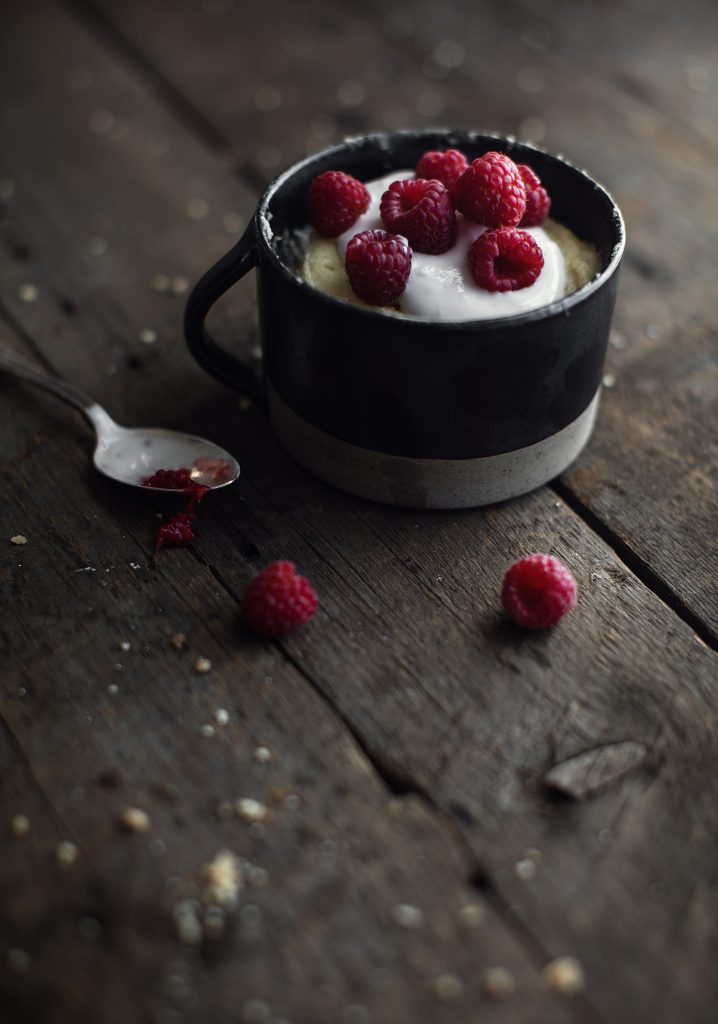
[425, 412]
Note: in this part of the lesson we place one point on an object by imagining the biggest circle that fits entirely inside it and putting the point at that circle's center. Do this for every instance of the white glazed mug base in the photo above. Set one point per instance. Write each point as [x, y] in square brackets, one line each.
[429, 483]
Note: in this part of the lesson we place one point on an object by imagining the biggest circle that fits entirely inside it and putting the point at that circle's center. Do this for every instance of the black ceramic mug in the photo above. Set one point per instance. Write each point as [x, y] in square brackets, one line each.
[406, 410]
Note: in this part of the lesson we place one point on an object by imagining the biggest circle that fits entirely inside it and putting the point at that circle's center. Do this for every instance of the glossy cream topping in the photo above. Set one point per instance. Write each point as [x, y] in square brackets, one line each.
[441, 287]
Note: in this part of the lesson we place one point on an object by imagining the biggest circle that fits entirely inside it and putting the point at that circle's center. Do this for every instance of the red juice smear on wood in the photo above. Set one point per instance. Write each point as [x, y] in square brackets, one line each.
[178, 530]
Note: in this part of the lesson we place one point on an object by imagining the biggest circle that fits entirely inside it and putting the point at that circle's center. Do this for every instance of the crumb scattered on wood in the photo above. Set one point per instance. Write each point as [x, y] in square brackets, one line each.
[250, 810]
[160, 283]
[471, 915]
[134, 819]
[407, 916]
[187, 922]
[525, 869]
[447, 987]
[498, 982]
[66, 853]
[28, 293]
[222, 880]
[564, 976]
[19, 826]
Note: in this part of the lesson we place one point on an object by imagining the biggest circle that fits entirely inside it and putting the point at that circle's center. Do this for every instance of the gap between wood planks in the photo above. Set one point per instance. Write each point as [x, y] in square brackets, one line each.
[194, 119]
[19, 331]
[16, 746]
[211, 136]
[637, 565]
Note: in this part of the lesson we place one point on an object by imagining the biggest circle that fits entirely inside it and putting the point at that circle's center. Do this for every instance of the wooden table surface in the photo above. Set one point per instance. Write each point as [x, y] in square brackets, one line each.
[401, 748]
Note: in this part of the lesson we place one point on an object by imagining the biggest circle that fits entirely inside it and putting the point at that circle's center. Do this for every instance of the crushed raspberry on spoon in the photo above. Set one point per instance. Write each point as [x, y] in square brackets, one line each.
[170, 479]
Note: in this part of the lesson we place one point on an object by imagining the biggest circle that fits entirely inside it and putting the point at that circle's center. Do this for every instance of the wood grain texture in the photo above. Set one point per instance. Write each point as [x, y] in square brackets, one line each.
[314, 933]
[415, 726]
[621, 89]
[101, 728]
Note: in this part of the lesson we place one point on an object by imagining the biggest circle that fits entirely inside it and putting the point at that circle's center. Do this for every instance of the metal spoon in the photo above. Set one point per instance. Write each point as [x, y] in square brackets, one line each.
[133, 455]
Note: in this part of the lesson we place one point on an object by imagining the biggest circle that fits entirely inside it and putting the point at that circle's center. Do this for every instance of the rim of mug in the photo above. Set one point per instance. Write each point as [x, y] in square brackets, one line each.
[263, 232]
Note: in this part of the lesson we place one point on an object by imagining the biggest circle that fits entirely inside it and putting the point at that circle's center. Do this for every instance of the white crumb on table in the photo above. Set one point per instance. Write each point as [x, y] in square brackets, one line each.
[250, 809]
[564, 976]
[66, 853]
[134, 819]
[20, 826]
[222, 879]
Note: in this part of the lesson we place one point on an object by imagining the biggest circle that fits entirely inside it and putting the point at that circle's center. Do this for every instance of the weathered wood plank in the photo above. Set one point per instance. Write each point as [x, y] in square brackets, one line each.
[103, 728]
[561, 75]
[450, 701]
[453, 704]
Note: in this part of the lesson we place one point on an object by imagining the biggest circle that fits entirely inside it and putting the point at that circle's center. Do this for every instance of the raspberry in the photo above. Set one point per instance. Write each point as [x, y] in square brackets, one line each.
[422, 211]
[538, 591]
[278, 601]
[538, 202]
[378, 266]
[335, 201]
[491, 192]
[444, 167]
[505, 260]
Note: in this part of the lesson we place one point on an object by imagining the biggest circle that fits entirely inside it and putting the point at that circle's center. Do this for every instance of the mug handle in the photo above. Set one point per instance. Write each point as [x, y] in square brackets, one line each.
[210, 287]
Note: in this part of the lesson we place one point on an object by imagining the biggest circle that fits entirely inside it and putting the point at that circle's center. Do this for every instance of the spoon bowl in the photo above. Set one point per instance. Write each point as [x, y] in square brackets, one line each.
[133, 455]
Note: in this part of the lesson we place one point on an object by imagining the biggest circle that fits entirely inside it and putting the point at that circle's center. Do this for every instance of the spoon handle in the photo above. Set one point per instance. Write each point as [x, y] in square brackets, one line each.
[62, 388]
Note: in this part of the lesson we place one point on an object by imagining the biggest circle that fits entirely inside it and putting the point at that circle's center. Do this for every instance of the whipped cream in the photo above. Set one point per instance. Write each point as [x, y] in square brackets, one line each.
[441, 287]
